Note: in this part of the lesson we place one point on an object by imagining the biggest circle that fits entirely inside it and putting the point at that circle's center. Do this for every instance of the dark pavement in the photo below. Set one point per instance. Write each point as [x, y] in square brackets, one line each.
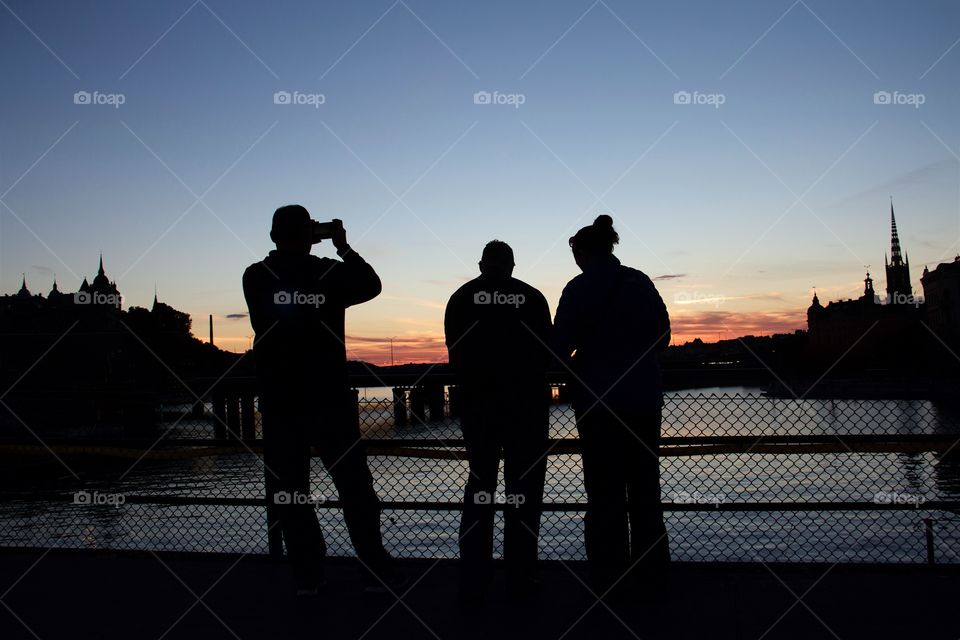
[134, 595]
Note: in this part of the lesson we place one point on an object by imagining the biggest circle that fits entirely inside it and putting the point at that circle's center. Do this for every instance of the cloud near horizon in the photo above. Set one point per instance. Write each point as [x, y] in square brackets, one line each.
[710, 326]
[415, 348]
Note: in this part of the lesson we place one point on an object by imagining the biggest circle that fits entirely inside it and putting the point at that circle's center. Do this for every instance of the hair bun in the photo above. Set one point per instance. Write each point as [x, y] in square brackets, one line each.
[603, 221]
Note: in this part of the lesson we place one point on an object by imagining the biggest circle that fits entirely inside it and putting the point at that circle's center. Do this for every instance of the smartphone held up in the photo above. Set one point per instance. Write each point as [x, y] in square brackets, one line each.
[324, 230]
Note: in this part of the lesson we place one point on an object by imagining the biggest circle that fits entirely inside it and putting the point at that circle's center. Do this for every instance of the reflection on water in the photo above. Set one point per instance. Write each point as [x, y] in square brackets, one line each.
[752, 477]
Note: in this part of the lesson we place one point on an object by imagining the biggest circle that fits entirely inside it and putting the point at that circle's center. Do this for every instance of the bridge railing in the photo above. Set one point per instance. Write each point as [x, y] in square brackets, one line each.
[743, 477]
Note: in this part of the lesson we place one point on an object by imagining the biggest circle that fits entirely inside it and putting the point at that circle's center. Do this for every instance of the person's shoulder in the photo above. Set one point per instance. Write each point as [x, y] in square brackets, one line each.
[639, 282]
[320, 266]
[527, 289]
[635, 274]
[466, 289]
[254, 270]
[254, 280]
[577, 283]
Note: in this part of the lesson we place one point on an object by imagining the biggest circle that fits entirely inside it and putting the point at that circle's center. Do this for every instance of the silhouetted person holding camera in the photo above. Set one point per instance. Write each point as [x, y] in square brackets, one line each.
[614, 320]
[497, 333]
[297, 303]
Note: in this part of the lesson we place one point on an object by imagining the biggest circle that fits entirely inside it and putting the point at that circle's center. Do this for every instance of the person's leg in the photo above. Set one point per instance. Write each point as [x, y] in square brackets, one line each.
[604, 479]
[649, 547]
[345, 459]
[525, 464]
[479, 497]
[287, 469]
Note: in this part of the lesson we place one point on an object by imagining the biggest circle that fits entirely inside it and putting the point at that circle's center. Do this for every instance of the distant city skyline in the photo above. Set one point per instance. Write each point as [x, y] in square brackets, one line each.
[747, 153]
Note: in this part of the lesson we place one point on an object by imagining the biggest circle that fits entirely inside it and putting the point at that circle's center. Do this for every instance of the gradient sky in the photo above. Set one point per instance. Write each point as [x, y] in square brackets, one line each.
[737, 211]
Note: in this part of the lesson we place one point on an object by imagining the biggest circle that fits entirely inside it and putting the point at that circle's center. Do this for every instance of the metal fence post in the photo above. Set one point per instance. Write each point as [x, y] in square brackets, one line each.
[247, 421]
[928, 530]
[399, 407]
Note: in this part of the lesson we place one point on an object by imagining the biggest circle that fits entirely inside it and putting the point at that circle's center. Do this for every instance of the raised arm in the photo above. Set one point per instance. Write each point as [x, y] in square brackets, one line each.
[352, 280]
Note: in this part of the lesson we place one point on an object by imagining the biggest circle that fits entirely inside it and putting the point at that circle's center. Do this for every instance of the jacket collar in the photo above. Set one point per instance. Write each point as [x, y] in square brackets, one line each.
[604, 263]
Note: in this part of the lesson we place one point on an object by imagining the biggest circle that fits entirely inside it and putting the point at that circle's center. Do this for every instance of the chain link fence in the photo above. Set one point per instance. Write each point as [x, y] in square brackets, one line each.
[744, 477]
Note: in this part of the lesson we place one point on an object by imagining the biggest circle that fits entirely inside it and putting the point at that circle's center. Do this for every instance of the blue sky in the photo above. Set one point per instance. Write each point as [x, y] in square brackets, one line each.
[747, 204]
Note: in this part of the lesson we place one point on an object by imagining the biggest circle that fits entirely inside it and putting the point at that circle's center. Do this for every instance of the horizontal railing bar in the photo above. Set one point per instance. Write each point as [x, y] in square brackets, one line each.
[441, 374]
[145, 443]
[453, 450]
[414, 505]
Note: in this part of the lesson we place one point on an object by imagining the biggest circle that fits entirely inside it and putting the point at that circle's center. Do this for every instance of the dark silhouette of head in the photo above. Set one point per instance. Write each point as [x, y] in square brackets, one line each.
[497, 259]
[594, 241]
[291, 230]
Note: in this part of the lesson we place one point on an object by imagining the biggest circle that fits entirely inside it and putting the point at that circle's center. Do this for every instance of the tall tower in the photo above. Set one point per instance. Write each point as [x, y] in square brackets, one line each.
[814, 312]
[899, 290]
[869, 296]
[103, 291]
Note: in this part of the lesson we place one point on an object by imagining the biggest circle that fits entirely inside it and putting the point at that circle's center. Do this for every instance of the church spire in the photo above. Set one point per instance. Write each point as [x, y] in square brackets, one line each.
[100, 270]
[895, 256]
[899, 290]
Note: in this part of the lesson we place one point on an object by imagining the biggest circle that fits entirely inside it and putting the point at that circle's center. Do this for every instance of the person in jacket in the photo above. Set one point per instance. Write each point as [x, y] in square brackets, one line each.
[610, 324]
[497, 333]
[297, 303]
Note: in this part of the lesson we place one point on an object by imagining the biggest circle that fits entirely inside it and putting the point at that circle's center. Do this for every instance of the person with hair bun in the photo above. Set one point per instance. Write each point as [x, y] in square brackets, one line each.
[610, 324]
